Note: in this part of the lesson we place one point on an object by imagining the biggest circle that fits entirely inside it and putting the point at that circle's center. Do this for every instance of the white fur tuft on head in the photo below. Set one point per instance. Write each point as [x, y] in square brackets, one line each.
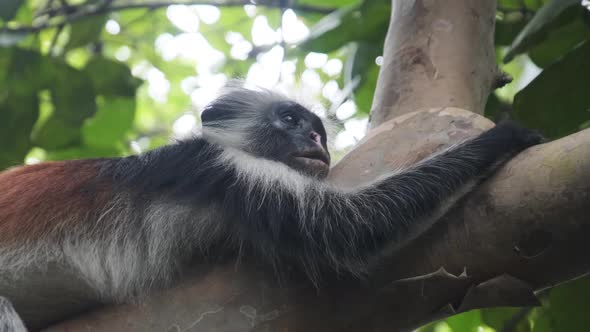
[231, 116]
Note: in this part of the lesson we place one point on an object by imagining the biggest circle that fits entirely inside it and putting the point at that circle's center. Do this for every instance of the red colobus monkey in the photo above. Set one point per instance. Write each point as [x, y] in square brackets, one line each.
[79, 233]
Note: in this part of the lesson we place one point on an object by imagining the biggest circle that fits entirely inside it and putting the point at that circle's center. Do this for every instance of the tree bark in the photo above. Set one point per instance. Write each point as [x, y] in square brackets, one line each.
[523, 230]
[437, 54]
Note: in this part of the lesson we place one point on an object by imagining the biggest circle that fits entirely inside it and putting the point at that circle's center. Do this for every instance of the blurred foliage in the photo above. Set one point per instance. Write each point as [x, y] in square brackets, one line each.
[79, 80]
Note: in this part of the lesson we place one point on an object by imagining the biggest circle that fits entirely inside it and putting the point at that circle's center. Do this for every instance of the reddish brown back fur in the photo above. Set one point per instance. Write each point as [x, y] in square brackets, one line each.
[40, 198]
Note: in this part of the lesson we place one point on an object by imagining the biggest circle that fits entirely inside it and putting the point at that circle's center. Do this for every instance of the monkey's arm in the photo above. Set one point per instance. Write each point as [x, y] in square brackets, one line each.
[319, 227]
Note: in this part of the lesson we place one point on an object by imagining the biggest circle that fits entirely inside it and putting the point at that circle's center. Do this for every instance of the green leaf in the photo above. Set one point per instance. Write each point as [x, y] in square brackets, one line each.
[560, 41]
[567, 308]
[363, 95]
[25, 71]
[510, 4]
[466, 322]
[362, 59]
[111, 122]
[17, 117]
[552, 15]
[23, 74]
[497, 318]
[543, 323]
[82, 152]
[534, 4]
[111, 77]
[25, 13]
[329, 3]
[73, 97]
[85, 31]
[506, 31]
[5, 64]
[557, 102]
[361, 66]
[9, 8]
[274, 16]
[368, 22]
[432, 327]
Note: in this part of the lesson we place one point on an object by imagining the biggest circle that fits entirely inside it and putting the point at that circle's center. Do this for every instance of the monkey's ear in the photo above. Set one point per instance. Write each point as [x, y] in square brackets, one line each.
[215, 113]
[208, 114]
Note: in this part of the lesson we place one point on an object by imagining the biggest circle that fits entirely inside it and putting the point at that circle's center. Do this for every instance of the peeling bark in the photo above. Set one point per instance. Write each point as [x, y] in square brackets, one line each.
[523, 230]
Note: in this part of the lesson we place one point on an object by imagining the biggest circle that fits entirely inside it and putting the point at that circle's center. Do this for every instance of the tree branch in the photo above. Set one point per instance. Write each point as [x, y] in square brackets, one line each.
[436, 56]
[69, 14]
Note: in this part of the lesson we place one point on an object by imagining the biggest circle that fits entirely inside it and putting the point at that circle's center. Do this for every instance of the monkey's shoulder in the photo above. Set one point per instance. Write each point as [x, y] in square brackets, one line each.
[189, 163]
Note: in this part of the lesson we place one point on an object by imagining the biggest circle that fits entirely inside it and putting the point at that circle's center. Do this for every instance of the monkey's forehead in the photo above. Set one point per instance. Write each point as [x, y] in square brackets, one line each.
[245, 102]
[250, 98]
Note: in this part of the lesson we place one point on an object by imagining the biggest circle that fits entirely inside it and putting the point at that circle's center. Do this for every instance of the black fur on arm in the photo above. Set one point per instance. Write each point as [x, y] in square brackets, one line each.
[286, 217]
[283, 216]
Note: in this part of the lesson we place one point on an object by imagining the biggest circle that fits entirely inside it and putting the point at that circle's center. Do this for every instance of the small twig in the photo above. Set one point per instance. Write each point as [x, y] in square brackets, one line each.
[58, 31]
[501, 79]
[347, 92]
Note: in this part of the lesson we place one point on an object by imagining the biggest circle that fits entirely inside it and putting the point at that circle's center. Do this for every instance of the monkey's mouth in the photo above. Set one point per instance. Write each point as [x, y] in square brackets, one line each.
[314, 157]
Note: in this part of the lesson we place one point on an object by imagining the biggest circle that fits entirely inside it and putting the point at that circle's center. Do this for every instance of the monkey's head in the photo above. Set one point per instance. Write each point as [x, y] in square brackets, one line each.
[270, 126]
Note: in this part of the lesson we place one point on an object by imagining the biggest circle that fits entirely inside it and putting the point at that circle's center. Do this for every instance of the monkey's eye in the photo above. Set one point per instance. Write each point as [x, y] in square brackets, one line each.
[290, 119]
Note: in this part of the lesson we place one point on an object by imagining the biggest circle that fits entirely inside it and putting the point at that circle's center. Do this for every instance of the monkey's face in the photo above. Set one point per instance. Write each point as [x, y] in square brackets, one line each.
[296, 137]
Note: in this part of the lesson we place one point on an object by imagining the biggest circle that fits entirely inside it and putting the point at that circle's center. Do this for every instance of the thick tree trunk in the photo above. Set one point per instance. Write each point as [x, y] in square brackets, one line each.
[523, 230]
[437, 54]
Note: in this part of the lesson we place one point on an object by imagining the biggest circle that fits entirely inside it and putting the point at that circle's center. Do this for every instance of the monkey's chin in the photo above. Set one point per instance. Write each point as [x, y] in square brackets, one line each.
[313, 167]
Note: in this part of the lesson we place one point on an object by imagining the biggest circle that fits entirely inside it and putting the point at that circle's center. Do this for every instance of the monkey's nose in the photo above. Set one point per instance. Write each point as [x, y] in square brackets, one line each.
[317, 138]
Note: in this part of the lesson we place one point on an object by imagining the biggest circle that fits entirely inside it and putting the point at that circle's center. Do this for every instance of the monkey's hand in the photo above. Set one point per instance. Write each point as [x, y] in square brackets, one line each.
[520, 138]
